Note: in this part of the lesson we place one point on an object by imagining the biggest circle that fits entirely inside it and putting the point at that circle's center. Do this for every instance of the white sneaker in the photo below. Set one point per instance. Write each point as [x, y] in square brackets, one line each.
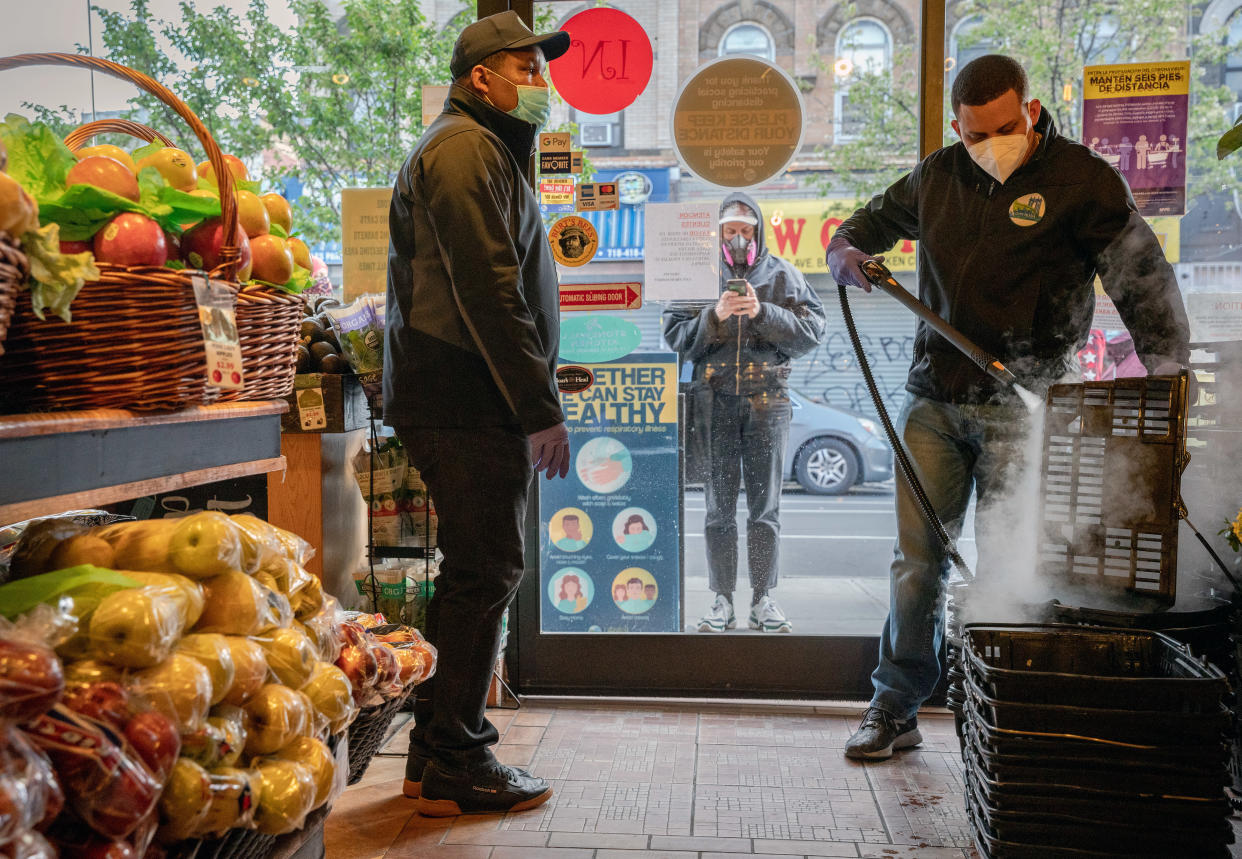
[719, 617]
[767, 616]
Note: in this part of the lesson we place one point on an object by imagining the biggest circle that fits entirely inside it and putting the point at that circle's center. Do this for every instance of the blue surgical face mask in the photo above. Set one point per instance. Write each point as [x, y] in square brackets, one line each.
[534, 103]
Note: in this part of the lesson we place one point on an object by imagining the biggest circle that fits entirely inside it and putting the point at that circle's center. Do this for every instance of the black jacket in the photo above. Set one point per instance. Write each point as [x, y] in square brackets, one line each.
[790, 323]
[473, 316]
[1012, 266]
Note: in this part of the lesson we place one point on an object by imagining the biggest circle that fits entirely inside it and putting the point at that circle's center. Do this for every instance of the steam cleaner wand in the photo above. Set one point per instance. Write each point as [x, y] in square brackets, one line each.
[879, 275]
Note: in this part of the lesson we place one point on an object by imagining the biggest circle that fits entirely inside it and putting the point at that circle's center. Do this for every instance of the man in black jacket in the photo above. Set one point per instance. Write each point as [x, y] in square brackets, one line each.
[741, 348]
[1013, 224]
[469, 385]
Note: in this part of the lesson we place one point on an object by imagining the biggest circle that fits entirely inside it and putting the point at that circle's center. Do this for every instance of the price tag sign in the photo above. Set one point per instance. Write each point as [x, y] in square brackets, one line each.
[311, 412]
[597, 196]
[218, 319]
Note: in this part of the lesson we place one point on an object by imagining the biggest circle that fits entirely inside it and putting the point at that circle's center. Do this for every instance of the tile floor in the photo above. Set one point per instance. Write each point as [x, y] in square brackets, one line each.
[655, 781]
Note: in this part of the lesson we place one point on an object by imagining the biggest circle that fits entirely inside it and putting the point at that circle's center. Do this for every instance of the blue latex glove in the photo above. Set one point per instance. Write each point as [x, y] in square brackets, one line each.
[549, 450]
[845, 261]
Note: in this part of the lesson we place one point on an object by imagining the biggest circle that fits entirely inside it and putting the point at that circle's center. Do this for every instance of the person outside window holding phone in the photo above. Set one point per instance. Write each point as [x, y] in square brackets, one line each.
[741, 348]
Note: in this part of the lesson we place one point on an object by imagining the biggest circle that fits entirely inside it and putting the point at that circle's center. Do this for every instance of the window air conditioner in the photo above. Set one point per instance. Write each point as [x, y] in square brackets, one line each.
[596, 133]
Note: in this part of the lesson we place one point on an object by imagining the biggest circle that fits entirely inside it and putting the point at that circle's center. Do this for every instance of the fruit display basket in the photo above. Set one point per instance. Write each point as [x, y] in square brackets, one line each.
[268, 322]
[135, 341]
[14, 269]
[367, 733]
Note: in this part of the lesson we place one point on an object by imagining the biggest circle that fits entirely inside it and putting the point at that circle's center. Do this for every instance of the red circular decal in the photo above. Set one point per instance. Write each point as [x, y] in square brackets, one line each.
[608, 63]
[216, 375]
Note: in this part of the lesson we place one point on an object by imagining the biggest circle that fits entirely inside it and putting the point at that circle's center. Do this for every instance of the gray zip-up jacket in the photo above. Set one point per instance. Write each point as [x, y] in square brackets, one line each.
[790, 323]
[473, 315]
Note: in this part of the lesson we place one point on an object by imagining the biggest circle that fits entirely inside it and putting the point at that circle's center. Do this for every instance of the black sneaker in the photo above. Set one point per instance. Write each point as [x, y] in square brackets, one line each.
[880, 734]
[414, 766]
[494, 789]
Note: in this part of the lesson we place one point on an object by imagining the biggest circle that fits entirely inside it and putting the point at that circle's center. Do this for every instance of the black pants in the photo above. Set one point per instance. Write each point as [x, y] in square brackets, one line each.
[479, 480]
[746, 443]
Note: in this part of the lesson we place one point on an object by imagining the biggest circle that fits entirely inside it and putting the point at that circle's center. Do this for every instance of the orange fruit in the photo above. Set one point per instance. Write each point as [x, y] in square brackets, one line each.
[278, 210]
[301, 253]
[104, 172]
[236, 167]
[107, 149]
[174, 165]
[252, 214]
[272, 260]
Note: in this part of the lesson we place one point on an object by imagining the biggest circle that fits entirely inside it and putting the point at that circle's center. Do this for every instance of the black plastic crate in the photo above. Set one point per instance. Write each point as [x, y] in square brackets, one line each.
[1155, 836]
[1038, 746]
[1117, 669]
[1144, 727]
[1100, 773]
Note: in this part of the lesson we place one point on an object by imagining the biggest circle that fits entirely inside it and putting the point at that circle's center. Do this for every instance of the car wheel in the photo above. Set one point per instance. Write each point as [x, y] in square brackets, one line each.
[827, 467]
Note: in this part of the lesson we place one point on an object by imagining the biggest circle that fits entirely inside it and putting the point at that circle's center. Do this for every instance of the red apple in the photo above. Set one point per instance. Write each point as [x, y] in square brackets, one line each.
[97, 848]
[200, 247]
[74, 247]
[155, 740]
[105, 702]
[31, 678]
[131, 239]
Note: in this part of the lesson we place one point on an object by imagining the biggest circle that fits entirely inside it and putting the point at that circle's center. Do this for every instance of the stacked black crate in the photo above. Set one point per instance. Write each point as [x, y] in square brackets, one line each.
[1093, 743]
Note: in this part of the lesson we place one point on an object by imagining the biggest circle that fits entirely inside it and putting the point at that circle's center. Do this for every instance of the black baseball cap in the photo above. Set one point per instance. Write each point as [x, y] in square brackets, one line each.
[504, 31]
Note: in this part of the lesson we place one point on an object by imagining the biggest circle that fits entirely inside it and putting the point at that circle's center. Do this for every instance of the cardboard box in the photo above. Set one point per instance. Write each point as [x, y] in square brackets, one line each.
[325, 402]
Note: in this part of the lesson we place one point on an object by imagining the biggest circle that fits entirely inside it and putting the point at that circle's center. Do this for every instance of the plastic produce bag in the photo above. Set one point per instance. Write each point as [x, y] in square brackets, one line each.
[31, 676]
[360, 330]
[137, 627]
[30, 795]
[275, 717]
[291, 656]
[238, 604]
[179, 687]
[234, 795]
[286, 796]
[331, 696]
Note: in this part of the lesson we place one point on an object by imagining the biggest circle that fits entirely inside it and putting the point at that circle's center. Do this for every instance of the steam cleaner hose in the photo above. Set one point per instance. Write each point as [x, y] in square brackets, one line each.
[899, 450]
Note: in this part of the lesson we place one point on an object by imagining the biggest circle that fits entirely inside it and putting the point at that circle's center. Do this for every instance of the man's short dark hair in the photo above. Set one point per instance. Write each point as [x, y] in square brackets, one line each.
[987, 79]
[569, 516]
[495, 62]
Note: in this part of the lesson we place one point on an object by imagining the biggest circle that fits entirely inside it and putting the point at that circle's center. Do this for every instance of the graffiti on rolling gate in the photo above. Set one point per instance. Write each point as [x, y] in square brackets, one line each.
[819, 375]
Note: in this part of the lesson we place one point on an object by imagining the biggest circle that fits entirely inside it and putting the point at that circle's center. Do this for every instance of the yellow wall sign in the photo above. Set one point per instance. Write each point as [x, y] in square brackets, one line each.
[364, 240]
[799, 231]
[1131, 79]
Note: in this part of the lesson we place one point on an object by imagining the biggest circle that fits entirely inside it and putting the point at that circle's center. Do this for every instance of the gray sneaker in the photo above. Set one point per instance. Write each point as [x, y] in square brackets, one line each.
[719, 617]
[767, 616]
[880, 734]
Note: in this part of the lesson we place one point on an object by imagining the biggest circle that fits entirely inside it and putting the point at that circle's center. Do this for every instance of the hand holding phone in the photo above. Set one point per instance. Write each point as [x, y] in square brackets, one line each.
[736, 284]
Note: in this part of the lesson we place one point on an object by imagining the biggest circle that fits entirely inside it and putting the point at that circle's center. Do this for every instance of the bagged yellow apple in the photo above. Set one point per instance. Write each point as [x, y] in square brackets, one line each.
[234, 800]
[231, 721]
[275, 716]
[142, 546]
[187, 593]
[290, 656]
[137, 627]
[236, 604]
[185, 802]
[205, 544]
[319, 760]
[331, 697]
[249, 669]
[259, 541]
[286, 796]
[311, 599]
[179, 687]
[321, 631]
[212, 650]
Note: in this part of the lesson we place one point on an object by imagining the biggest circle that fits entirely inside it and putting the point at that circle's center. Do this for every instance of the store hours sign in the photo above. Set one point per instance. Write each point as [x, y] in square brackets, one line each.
[609, 533]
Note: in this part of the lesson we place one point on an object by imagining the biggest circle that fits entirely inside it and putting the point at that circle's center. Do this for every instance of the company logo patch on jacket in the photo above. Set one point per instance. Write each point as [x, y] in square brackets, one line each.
[1027, 210]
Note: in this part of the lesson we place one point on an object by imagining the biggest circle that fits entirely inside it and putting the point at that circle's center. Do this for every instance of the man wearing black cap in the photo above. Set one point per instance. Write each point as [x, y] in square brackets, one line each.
[470, 387]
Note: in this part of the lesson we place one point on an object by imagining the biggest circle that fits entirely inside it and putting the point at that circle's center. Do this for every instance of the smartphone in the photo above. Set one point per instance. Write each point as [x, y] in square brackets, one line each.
[737, 284]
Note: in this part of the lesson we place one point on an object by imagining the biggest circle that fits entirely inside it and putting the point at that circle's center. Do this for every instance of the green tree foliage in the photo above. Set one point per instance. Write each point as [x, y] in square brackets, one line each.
[1054, 39]
[335, 101]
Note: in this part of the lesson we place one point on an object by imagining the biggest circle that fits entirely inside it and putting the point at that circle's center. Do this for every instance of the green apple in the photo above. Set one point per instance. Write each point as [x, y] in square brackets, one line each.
[205, 544]
[290, 656]
[235, 605]
[316, 757]
[274, 717]
[250, 669]
[185, 801]
[212, 649]
[136, 627]
[331, 696]
[286, 796]
[179, 687]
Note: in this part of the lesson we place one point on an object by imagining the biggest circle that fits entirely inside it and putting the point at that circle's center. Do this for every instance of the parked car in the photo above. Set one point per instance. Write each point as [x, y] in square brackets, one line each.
[832, 449]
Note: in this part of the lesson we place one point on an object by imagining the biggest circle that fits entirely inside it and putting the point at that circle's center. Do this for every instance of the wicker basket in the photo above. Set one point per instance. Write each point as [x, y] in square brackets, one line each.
[14, 269]
[367, 734]
[135, 341]
[83, 133]
[268, 323]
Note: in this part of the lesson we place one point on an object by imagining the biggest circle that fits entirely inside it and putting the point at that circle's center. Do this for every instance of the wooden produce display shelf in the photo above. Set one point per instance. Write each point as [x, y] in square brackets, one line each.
[57, 461]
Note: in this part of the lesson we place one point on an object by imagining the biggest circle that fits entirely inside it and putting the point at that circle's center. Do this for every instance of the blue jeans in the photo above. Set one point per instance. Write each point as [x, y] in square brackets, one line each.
[954, 449]
[479, 479]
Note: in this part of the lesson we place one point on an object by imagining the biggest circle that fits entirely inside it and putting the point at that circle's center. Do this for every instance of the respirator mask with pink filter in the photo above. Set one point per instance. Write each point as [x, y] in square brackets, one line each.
[739, 252]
